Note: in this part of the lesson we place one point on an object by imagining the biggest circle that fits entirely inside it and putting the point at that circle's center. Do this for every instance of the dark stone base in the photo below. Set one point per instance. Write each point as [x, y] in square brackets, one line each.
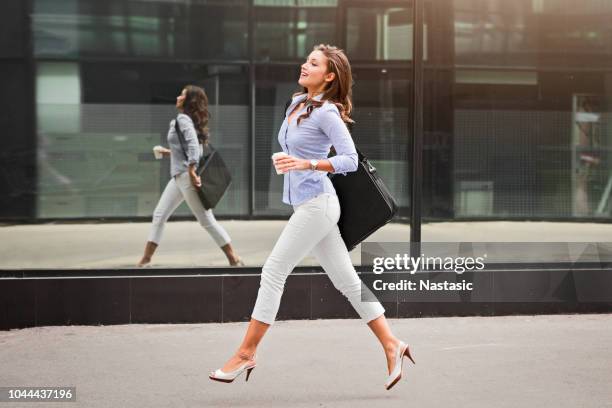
[43, 298]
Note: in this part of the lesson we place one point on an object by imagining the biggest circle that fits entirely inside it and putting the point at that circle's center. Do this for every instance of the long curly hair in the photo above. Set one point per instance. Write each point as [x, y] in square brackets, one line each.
[195, 106]
[339, 91]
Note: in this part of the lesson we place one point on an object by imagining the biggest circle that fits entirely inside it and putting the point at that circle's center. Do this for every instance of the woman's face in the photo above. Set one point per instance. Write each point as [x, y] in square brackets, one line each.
[180, 99]
[314, 75]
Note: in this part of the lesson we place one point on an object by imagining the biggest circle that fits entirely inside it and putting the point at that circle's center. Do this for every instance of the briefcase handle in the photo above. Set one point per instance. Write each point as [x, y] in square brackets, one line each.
[362, 158]
[371, 168]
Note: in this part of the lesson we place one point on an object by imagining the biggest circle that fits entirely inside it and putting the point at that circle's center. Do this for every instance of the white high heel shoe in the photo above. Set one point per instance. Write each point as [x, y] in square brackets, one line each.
[219, 375]
[396, 374]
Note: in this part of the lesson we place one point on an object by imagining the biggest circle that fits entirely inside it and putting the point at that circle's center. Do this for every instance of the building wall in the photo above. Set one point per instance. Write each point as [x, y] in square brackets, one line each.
[517, 101]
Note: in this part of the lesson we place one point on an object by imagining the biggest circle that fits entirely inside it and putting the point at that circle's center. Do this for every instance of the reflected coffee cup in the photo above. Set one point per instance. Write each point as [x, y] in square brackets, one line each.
[275, 157]
[157, 152]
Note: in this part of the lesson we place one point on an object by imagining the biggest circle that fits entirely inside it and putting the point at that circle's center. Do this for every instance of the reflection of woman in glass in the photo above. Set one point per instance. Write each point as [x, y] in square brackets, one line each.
[192, 105]
[315, 120]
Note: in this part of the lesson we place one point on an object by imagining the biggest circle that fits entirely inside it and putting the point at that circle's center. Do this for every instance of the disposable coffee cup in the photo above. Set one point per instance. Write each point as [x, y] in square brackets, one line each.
[157, 152]
[276, 156]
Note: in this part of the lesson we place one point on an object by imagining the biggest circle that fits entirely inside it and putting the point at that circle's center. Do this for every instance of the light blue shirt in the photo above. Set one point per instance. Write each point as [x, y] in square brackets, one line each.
[312, 139]
[178, 164]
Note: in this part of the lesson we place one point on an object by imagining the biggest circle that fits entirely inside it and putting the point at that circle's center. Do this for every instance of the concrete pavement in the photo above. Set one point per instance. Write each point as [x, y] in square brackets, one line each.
[515, 361]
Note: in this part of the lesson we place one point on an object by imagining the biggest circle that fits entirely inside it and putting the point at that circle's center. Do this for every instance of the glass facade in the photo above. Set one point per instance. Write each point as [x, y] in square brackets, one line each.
[97, 122]
[517, 113]
[140, 29]
[517, 108]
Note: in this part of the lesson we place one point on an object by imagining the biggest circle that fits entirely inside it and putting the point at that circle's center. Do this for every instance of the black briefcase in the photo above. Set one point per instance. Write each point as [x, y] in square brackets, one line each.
[215, 177]
[366, 204]
[213, 172]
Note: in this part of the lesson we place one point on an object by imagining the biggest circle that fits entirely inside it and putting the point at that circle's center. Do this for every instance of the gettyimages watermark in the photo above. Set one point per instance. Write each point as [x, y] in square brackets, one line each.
[486, 271]
[405, 262]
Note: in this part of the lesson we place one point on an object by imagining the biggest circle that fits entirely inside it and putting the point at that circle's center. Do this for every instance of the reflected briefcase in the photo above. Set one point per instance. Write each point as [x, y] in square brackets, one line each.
[213, 172]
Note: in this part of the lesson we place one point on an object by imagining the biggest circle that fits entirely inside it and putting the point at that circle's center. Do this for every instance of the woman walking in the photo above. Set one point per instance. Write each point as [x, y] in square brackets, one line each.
[315, 120]
[192, 105]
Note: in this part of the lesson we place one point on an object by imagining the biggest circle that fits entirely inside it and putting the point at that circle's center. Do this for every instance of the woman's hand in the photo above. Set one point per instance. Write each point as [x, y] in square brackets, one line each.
[165, 152]
[196, 181]
[288, 163]
[193, 176]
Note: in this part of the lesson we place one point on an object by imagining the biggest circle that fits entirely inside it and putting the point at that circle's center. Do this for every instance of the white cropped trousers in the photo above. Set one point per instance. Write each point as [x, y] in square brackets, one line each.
[312, 228]
[179, 188]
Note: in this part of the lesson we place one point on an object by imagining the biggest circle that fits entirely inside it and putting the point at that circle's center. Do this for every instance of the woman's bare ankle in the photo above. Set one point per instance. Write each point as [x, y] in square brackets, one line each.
[245, 354]
[390, 345]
